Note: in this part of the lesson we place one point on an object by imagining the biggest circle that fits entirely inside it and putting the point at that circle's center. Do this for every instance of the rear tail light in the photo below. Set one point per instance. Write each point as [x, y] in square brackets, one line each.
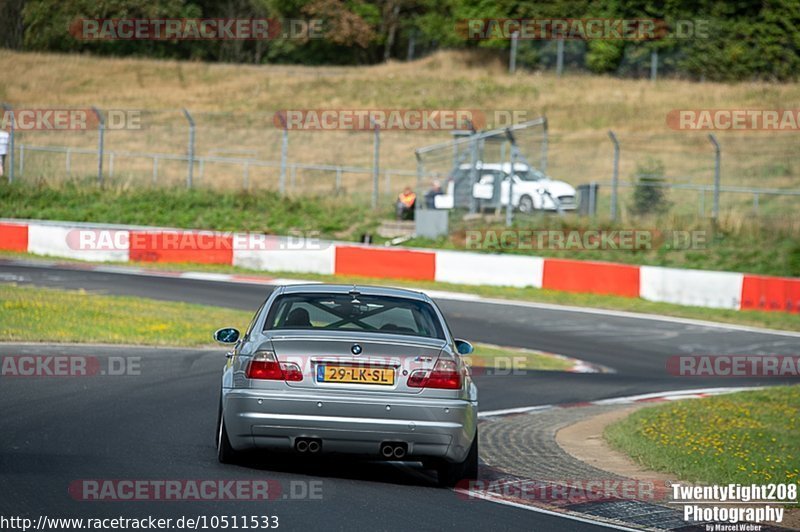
[265, 366]
[291, 372]
[444, 375]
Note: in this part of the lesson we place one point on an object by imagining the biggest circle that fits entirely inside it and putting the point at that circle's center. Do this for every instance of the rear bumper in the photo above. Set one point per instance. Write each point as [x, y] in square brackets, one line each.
[438, 428]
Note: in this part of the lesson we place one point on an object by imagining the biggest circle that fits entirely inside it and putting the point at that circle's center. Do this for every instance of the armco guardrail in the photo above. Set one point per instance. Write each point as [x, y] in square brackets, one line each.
[108, 242]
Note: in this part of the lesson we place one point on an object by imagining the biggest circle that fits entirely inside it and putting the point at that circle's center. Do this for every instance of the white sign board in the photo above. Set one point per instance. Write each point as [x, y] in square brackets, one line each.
[3, 142]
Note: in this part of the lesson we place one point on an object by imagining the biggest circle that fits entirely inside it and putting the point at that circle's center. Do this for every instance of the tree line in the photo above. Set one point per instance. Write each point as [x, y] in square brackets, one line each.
[742, 40]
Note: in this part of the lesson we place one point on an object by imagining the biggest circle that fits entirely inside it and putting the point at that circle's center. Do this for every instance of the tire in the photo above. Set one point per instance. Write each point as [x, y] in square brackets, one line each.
[450, 474]
[526, 204]
[225, 453]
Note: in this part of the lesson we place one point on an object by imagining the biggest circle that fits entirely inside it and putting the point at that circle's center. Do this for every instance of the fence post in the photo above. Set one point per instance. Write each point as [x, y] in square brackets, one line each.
[473, 174]
[615, 176]
[511, 173]
[100, 145]
[559, 56]
[717, 160]
[284, 153]
[376, 153]
[338, 178]
[190, 169]
[10, 111]
[545, 145]
[512, 58]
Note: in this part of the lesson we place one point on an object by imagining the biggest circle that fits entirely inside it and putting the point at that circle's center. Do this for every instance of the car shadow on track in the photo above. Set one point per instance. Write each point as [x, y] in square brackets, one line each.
[343, 467]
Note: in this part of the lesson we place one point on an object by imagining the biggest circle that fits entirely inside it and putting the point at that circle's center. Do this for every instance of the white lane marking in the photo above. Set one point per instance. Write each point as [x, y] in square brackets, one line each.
[464, 297]
[281, 280]
[536, 509]
[206, 276]
[509, 411]
[675, 395]
[495, 499]
[452, 296]
[624, 314]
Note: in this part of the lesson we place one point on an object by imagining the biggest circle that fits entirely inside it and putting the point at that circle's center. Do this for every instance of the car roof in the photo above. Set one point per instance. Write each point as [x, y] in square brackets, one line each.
[497, 166]
[324, 288]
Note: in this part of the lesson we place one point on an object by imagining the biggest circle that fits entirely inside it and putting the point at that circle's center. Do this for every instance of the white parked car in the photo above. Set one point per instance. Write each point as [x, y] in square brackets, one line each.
[532, 190]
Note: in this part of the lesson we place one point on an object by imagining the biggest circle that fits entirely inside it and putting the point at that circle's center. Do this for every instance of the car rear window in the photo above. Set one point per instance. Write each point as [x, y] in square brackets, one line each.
[365, 313]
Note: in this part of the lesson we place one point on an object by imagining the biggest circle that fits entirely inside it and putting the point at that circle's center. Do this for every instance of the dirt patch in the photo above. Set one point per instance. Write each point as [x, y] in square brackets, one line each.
[584, 440]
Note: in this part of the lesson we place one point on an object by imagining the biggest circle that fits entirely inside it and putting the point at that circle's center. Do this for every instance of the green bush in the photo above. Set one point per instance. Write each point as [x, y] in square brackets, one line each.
[604, 57]
[649, 196]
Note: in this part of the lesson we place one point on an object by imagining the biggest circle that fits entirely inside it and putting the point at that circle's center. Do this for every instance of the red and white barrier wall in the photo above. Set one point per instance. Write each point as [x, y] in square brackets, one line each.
[106, 242]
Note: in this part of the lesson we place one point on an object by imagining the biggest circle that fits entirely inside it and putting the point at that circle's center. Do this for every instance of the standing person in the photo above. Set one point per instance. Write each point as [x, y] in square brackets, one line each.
[405, 204]
[4, 136]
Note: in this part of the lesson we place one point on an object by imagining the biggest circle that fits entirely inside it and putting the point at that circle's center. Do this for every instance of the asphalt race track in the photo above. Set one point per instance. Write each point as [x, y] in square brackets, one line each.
[160, 424]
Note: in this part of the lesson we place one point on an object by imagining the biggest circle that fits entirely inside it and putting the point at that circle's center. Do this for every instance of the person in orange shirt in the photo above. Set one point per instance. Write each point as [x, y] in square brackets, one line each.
[405, 204]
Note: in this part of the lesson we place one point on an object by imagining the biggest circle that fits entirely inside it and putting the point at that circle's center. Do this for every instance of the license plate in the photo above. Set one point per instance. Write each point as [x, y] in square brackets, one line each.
[355, 375]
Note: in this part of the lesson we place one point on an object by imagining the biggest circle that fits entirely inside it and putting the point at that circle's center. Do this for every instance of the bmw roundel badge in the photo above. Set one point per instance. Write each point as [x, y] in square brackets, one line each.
[356, 349]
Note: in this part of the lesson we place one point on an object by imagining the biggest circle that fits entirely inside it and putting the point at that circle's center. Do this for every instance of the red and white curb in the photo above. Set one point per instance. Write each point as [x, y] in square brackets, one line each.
[578, 366]
[435, 294]
[658, 397]
[99, 242]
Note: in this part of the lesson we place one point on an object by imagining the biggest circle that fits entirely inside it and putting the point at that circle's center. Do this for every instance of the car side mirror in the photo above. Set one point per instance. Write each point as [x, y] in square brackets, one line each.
[463, 347]
[227, 335]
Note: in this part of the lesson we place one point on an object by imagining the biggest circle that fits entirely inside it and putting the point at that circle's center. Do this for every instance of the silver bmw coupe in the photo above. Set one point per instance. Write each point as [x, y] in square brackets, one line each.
[325, 369]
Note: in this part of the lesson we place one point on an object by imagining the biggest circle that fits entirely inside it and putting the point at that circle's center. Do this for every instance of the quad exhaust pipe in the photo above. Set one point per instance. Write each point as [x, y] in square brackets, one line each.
[308, 445]
[394, 450]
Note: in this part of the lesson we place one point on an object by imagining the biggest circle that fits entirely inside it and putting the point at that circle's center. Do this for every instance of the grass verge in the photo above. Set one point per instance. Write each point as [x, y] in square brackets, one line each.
[503, 360]
[262, 211]
[764, 246]
[746, 437]
[50, 315]
[771, 320]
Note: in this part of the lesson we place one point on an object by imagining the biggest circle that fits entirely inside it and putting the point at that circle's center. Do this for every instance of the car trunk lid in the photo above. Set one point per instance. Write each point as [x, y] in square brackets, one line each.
[340, 360]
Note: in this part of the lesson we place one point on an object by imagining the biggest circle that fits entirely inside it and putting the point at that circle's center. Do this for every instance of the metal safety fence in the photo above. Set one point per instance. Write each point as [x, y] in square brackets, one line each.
[699, 174]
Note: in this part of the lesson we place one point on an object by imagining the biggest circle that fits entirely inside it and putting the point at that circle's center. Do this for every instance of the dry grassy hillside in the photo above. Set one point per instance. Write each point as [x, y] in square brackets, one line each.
[580, 108]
